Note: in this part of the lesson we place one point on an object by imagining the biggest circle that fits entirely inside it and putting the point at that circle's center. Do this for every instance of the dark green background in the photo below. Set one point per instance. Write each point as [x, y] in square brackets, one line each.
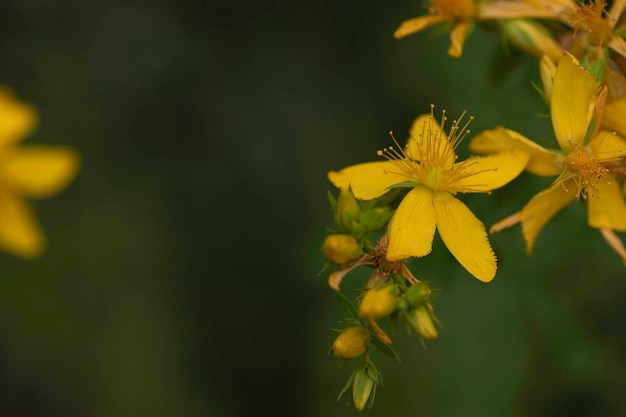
[181, 277]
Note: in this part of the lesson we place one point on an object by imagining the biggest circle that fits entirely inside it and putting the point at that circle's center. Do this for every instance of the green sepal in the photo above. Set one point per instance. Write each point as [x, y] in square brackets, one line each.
[348, 384]
[404, 184]
[349, 305]
[384, 347]
[596, 68]
[332, 200]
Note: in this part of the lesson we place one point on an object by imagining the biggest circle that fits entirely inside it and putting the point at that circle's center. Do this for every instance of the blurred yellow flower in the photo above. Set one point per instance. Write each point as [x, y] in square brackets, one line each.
[429, 167]
[26, 172]
[463, 14]
[341, 249]
[582, 164]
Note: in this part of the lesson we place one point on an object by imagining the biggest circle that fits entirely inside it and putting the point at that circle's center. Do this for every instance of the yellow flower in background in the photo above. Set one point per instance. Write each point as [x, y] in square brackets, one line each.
[594, 27]
[463, 14]
[33, 171]
[582, 164]
[429, 167]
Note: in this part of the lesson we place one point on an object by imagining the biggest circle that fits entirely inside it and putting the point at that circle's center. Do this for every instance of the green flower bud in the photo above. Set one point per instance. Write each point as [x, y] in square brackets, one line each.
[348, 209]
[379, 302]
[417, 294]
[351, 343]
[376, 218]
[341, 249]
[423, 322]
[362, 387]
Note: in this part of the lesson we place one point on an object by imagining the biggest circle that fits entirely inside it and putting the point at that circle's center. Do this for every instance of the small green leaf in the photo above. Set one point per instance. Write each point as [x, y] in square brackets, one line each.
[349, 305]
[404, 184]
[332, 200]
[384, 347]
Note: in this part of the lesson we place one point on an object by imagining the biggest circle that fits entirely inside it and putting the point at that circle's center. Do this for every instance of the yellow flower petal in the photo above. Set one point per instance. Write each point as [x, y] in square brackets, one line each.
[17, 119]
[491, 172]
[606, 145]
[507, 9]
[413, 225]
[426, 134]
[573, 101]
[457, 38]
[369, 180]
[607, 210]
[542, 161]
[414, 25]
[19, 232]
[547, 69]
[543, 207]
[464, 236]
[613, 116]
[39, 171]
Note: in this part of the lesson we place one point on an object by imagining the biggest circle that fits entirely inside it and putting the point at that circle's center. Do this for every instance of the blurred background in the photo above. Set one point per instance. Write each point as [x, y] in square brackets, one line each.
[182, 274]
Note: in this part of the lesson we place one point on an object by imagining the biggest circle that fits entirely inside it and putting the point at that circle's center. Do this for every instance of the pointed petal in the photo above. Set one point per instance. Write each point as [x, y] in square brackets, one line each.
[408, 27]
[542, 161]
[531, 37]
[464, 236]
[19, 232]
[573, 101]
[618, 45]
[607, 145]
[613, 116]
[543, 207]
[427, 136]
[615, 243]
[507, 9]
[608, 209]
[39, 171]
[369, 180]
[412, 227]
[547, 68]
[615, 12]
[491, 172]
[17, 119]
[457, 38]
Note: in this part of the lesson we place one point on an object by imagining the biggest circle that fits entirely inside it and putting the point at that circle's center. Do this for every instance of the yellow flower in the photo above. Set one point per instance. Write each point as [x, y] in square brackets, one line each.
[582, 164]
[351, 343]
[594, 27]
[341, 249]
[429, 166]
[463, 14]
[28, 171]
[379, 302]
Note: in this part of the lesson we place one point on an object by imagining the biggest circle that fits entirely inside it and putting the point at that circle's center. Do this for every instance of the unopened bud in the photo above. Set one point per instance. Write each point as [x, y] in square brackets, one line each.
[351, 343]
[417, 294]
[379, 302]
[348, 209]
[376, 218]
[341, 249]
[362, 387]
[423, 322]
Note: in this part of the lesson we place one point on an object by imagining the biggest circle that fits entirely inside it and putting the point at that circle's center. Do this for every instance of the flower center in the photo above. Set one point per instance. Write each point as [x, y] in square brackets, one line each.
[586, 170]
[458, 9]
[430, 159]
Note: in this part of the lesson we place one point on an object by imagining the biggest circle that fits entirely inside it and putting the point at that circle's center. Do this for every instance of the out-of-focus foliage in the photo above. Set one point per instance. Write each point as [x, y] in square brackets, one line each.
[180, 277]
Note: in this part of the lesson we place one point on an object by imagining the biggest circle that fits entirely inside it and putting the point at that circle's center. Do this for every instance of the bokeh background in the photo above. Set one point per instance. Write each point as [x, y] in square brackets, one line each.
[181, 277]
